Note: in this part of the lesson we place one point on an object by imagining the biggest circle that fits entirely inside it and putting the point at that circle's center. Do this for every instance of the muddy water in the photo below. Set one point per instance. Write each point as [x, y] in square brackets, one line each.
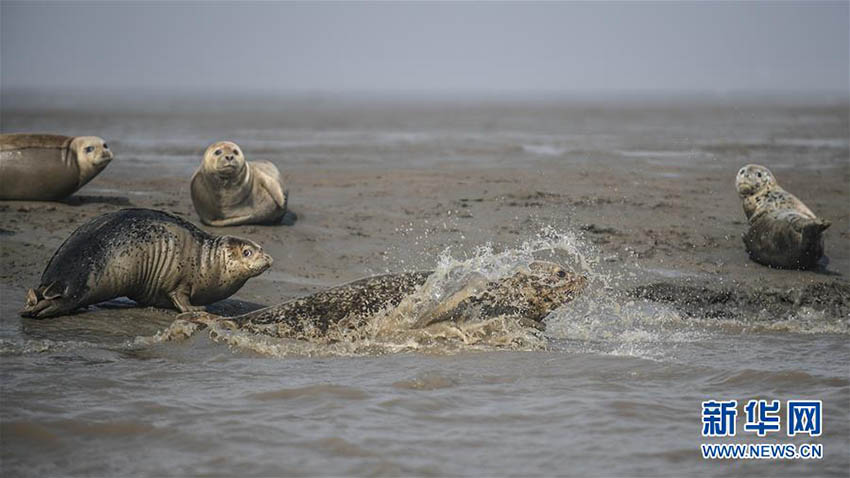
[614, 385]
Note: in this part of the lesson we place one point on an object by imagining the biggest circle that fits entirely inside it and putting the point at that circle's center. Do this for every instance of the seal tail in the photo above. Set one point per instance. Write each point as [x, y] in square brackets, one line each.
[812, 229]
[41, 301]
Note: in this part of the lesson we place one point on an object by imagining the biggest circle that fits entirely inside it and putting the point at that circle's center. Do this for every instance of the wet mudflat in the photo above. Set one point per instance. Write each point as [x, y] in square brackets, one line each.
[638, 197]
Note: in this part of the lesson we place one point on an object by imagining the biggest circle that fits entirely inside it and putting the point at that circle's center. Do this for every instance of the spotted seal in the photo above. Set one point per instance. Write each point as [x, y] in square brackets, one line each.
[783, 231]
[527, 295]
[48, 167]
[227, 190]
[149, 256]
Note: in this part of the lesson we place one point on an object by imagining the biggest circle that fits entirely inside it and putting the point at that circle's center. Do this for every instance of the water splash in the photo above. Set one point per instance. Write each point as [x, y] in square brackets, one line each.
[394, 330]
[602, 319]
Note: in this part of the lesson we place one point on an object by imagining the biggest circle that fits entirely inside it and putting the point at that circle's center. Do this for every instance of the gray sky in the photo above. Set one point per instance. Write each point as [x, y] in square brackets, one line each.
[416, 46]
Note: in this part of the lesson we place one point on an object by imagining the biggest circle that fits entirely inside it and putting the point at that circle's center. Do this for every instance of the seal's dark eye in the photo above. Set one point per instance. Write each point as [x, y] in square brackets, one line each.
[562, 274]
[236, 152]
[105, 146]
[247, 253]
[759, 174]
[218, 152]
[89, 149]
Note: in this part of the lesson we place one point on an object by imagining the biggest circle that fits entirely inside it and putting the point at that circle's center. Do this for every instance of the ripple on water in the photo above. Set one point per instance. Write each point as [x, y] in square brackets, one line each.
[427, 381]
[340, 392]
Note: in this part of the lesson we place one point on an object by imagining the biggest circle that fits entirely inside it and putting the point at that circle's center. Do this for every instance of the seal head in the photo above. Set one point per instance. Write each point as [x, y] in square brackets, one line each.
[540, 289]
[529, 294]
[243, 258]
[752, 178]
[93, 155]
[225, 160]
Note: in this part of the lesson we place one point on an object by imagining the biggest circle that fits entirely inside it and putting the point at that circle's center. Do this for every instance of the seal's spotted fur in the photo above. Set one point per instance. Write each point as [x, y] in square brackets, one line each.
[528, 295]
[783, 231]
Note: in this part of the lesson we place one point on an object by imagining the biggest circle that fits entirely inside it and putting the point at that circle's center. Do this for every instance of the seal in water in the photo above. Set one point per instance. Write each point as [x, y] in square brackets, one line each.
[783, 231]
[229, 191]
[149, 256]
[527, 295]
[47, 167]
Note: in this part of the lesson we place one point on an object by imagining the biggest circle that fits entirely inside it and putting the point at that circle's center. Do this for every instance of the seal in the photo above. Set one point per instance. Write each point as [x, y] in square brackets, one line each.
[227, 190]
[527, 295]
[47, 167]
[149, 256]
[783, 231]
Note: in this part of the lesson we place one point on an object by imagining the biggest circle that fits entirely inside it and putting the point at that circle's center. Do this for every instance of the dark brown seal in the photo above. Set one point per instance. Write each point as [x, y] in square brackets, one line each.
[149, 256]
[527, 295]
[46, 167]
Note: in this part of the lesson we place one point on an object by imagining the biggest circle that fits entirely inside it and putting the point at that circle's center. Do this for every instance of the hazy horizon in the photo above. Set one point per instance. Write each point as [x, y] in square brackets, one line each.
[442, 48]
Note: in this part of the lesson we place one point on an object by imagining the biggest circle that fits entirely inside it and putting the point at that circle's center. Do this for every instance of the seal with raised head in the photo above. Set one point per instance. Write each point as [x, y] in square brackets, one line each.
[146, 255]
[227, 190]
[48, 167]
[528, 294]
[783, 231]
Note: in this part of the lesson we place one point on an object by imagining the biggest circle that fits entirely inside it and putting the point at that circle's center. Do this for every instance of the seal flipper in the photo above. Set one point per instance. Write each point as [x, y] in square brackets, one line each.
[453, 308]
[46, 301]
[34, 305]
[277, 193]
[815, 227]
[811, 232]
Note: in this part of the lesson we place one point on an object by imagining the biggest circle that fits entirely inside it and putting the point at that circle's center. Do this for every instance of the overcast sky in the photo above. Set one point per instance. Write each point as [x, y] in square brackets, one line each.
[418, 46]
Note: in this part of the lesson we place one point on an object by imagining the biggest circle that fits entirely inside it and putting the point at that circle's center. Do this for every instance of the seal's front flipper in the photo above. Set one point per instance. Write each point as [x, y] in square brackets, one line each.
[456, 306]
[180, 300]
[277, 193]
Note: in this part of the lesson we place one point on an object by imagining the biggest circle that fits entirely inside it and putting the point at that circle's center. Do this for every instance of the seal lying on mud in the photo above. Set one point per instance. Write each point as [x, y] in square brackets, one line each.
[783, 231]
[229, 191]
[149, 256]
[527, 295]
[46, 167]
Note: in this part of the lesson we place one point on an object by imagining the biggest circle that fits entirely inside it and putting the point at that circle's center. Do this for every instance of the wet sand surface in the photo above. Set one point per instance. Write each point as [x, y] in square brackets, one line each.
[645, 191]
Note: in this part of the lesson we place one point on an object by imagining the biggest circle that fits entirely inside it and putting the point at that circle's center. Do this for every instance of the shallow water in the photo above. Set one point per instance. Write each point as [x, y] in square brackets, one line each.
[613, 388]
[578, 408]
